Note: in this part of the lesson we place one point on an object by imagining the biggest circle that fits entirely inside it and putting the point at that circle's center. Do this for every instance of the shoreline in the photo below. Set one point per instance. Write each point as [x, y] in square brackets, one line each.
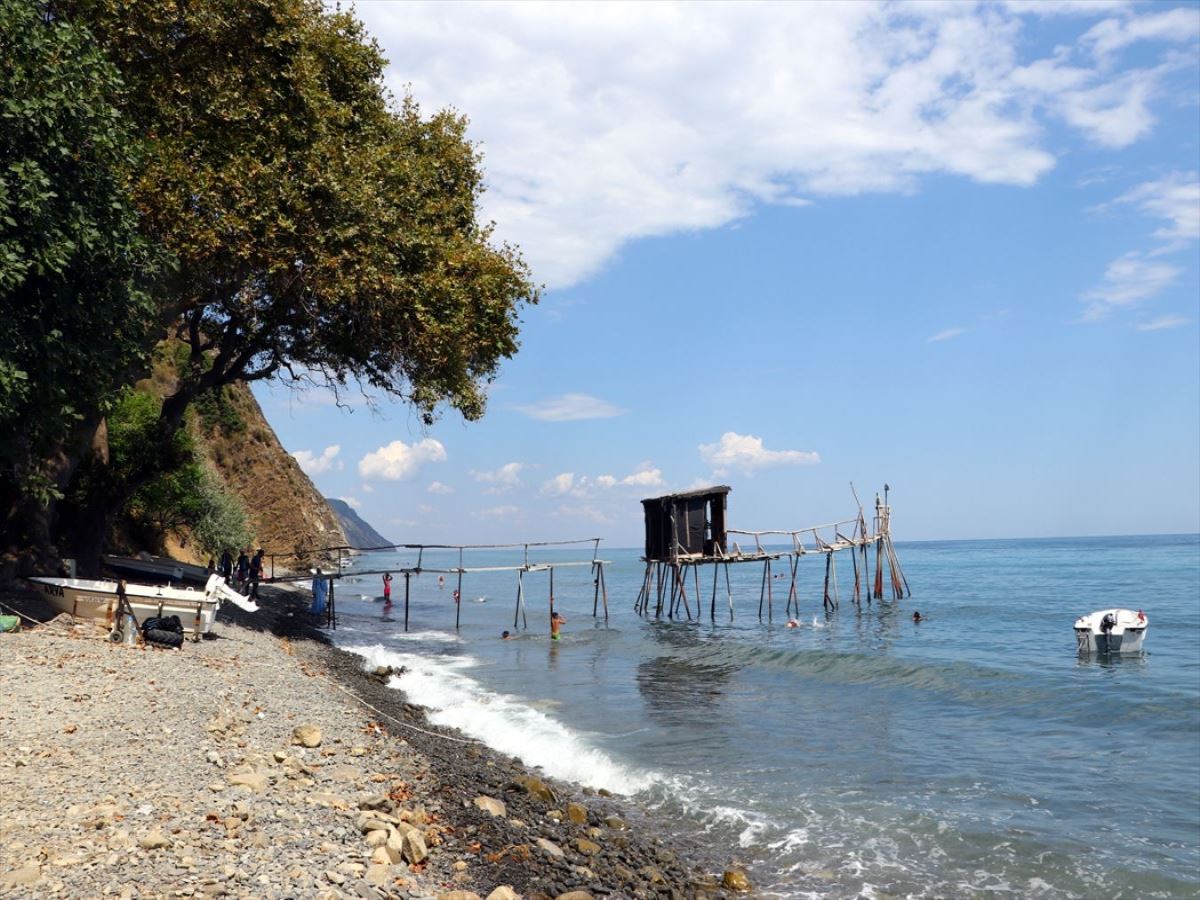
[487, 821]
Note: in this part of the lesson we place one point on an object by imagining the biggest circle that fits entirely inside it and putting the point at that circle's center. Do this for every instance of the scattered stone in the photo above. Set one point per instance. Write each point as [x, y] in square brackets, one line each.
[24, 875]
[616, 823]
[550, 847]
[577, 813]
[255, 781]
[458, 895]
[490, 805]
[503, 892]
[574, 895]
[536, 787]
[378, 874]
[306, 735]
[585, 847]
[155, 840]
[735, 879]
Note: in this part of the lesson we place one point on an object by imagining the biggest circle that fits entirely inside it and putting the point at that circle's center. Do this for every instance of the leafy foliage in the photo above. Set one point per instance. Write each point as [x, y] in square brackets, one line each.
[319, 227]
[185, 494]
[73, 322]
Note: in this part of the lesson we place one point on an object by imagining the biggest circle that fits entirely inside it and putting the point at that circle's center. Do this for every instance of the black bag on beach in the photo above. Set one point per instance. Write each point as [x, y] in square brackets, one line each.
[165, 631]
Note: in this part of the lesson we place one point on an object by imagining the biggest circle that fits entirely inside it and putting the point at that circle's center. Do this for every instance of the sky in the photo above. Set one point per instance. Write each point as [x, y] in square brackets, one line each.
[790, 247]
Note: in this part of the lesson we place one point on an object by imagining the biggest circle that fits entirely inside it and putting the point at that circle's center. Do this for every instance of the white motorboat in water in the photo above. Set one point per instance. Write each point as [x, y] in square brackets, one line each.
[1111, 631]
[88, 598]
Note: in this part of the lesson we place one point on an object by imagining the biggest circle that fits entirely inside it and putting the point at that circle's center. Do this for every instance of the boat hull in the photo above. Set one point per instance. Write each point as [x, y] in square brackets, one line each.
[1126, 634]
[97, 600]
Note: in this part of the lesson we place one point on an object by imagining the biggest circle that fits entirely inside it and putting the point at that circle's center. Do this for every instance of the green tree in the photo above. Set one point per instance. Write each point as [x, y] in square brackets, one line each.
[72, 323]
[319, 227]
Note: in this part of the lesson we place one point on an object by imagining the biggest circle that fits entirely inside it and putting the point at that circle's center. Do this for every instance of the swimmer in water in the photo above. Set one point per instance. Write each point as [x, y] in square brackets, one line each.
[504, 635]
[916, 616]
[792, 623]
[556, 620]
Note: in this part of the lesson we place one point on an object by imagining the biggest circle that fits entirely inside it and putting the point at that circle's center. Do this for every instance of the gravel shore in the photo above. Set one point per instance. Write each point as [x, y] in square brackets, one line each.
[263, 762]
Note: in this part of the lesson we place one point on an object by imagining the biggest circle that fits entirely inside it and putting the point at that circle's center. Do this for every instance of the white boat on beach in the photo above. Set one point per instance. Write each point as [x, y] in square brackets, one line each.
[1111, 631]
[88, 598]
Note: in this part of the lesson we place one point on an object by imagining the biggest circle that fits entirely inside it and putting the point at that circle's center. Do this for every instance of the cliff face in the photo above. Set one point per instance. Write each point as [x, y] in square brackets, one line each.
[286, 512]
[358, 532]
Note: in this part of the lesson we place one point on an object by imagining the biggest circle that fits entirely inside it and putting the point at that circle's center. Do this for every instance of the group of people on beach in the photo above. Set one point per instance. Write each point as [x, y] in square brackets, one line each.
[244, 574]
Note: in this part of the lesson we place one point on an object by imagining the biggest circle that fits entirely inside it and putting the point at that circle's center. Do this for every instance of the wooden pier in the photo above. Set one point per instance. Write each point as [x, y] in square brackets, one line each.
[687, 531]
[525, 567]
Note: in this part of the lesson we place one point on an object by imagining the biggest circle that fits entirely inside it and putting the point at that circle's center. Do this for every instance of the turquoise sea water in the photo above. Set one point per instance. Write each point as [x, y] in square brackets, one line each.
[971, 755]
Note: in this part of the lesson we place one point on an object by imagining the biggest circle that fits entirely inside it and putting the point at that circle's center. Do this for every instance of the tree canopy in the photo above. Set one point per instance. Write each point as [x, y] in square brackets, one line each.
[304, 222]
[72, 320]
[318, 225]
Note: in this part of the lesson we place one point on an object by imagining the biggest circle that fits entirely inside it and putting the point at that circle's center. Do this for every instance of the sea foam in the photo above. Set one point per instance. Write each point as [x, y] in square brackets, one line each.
[503, 722]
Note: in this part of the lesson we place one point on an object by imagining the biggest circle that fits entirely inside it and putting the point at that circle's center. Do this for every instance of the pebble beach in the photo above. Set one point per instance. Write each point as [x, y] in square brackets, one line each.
[263, 762]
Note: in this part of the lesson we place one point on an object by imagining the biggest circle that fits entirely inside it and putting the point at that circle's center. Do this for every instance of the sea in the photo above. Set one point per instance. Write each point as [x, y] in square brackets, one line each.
[861, 754]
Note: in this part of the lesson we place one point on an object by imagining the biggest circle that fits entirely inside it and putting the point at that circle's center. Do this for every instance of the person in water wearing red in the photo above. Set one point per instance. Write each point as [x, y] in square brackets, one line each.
[387, 591]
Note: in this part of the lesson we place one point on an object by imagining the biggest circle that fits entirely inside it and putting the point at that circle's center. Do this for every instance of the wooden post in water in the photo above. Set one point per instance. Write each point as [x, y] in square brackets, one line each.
[728, 592]
[793, 597]
[712, 607]
[770, 596]
[458, 597]
[407, 575]
[828, 563]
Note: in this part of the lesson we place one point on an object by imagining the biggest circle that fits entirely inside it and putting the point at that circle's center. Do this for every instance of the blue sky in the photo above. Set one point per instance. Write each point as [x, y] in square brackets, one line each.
[952, 247]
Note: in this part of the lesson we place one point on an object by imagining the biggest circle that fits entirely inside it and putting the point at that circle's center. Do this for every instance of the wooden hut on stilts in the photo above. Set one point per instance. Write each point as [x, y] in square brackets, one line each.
[689, 531]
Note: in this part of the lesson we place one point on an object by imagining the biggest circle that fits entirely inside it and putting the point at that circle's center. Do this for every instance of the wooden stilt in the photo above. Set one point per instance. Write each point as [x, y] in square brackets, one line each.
[828, 563]
[793, 597]
[837, 600]
[407, 575]
[603, 593]
[762, 588]
[770, 597]
[854, 562]
[728, 592]
[712, 607]
[879, 569]
[681, 576]
[458, 591]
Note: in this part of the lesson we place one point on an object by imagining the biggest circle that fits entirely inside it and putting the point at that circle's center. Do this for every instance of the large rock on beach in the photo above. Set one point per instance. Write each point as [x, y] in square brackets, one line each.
[490, 805]
[735, 879]
[536, 788]
[503, 892]
[306, 735]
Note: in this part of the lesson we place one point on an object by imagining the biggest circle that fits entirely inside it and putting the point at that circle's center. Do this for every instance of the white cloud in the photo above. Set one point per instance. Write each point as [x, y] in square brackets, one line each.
[312, 464]
[945, 335]
[496, 512]
[424, 508]
[746, 452]
[644, 477]
[1162, 323]
[570, 408]
[1175, 198]
[1180, 25]
[502, 479]
[584, 512]
[366, 488]
[399, 461]
[436, 487]
[603, 123]
[351, 502]
[605, 481]
[1128, 281]
[563, 483]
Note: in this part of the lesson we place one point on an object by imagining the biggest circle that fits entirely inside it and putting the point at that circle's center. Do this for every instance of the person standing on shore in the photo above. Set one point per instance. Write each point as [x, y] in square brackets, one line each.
[320, 588]
[243, 570]
[226, 565]
[256, 573]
